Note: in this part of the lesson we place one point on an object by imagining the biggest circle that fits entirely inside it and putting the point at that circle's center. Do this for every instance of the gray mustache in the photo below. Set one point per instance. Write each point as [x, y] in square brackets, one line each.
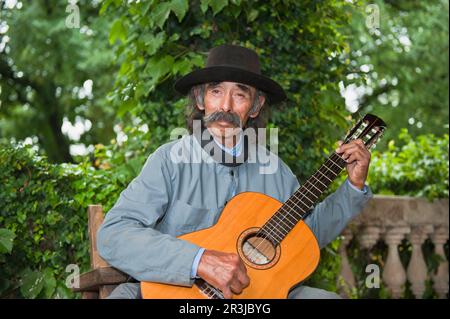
[223, 116]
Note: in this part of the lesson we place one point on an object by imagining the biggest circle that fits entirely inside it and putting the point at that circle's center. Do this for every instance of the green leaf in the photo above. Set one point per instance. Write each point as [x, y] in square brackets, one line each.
[179, 7]
[32, 284]
[204, 5]
[125, 107]
[252, 15]
[105, 6]
[50, 283]
[218, 5]
[158, 68]
[6, 240]
[154, 42]
[160, 14]
[118, 32]
[182, 67]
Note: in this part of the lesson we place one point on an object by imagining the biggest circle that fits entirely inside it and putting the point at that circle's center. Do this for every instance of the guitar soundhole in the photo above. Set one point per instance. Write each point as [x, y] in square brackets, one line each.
[257, 249]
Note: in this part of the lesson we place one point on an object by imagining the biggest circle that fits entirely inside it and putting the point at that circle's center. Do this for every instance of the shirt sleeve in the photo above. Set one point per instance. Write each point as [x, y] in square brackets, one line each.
[196, 262]
[329, 218]
[128, 239]
[364, 190]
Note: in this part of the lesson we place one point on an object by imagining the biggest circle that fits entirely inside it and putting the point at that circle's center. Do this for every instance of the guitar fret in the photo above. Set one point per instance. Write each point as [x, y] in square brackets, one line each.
[312, 194]
[281, 222]
[320, 191]
[330, 170]
[295, 202]
[271, 231]
[324, 176]
[283, 208]
[313, 176]
[296, 215]
[334, 164]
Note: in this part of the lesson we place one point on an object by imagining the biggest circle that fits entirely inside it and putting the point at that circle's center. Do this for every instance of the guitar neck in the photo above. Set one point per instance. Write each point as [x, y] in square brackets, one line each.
[303, 200]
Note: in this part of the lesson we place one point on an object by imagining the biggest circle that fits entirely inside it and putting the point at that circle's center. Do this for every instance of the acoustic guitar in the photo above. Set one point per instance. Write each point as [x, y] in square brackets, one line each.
[271, 237]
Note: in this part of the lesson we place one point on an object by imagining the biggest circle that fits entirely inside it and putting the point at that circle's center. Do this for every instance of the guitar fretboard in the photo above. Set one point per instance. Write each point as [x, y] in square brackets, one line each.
[303, 200]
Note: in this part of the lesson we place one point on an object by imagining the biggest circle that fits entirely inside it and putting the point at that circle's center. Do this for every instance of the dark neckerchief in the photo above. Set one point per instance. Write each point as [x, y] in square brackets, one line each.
[218, 154]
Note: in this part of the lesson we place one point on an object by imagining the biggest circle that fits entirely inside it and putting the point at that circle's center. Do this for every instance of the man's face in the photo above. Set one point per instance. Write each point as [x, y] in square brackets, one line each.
[226, 104]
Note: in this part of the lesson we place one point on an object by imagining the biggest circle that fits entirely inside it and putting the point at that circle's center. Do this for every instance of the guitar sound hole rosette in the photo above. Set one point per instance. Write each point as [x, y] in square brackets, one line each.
[257, 249]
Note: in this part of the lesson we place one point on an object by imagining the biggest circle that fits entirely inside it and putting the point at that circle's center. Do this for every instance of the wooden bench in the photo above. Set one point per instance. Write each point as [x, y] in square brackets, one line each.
[102, 278]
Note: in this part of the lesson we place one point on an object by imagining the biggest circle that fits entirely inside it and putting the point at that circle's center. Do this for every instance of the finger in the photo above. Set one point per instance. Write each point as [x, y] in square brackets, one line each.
[357, 156]
[244, 279]
[226, 292]
[349, 151]
[358, 143]
[236, 287]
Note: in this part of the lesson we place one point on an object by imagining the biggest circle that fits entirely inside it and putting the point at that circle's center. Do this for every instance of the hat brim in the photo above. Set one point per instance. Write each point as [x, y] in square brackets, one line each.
[274, 91]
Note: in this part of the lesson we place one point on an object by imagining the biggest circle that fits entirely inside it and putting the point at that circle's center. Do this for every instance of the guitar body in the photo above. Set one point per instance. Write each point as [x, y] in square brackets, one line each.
[294, 259]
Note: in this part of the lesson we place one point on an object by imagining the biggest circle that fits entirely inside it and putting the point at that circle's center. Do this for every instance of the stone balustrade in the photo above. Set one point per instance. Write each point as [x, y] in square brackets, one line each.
[393, 219]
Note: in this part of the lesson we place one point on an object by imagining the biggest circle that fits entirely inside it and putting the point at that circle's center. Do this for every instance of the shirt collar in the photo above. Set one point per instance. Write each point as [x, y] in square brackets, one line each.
[235, 150]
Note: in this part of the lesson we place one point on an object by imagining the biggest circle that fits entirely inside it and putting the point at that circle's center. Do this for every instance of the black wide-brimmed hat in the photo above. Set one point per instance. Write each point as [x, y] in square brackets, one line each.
[235, 64]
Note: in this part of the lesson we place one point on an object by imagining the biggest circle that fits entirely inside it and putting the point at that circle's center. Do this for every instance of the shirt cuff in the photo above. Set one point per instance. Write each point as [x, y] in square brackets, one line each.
[196, 262]
[363, 191]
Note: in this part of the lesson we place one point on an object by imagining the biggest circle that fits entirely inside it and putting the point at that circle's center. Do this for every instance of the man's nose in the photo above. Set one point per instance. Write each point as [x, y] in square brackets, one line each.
[227, 103]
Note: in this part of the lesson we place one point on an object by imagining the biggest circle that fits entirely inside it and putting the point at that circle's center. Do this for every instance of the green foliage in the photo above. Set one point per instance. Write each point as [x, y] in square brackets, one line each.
[417, 167]
[401, 67]
[43, 209]
[45, 66]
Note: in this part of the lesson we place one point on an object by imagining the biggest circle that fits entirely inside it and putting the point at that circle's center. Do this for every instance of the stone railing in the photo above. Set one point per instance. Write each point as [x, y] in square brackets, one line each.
[392, 219]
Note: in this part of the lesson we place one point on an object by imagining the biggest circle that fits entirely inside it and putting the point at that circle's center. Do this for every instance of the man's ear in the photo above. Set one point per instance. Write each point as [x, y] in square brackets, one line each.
[197, 96]
[262, 99]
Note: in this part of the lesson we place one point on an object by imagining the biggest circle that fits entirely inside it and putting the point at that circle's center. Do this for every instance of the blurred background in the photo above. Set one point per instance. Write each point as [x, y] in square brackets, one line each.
[86, 95]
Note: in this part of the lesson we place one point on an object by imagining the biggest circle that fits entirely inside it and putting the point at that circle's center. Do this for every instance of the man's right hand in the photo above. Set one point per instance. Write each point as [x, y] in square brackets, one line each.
[225, 271]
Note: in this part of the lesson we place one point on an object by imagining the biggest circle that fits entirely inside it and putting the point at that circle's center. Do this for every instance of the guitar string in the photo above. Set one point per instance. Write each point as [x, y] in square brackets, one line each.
[280, 219]
[305, 187]
[278, 222]
[363, 133]
[303, 195]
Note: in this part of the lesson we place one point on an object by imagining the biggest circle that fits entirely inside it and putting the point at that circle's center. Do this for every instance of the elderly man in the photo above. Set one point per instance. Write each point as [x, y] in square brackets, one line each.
[171, 197]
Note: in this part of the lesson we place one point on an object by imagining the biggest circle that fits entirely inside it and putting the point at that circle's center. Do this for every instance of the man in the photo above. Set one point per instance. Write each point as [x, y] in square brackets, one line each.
[172, 195]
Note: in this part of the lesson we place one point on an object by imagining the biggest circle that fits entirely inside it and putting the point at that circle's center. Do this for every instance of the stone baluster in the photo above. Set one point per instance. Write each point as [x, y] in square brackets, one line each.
[394, 275]
[369, 236]
[346, 272]
[417, 273]
[440, 278]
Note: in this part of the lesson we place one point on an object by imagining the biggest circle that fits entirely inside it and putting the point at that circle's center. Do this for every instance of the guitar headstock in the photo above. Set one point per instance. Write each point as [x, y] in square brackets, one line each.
[369, 129]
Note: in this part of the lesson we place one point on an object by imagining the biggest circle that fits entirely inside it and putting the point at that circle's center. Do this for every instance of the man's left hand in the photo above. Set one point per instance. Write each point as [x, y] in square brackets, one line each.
[357, 157]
